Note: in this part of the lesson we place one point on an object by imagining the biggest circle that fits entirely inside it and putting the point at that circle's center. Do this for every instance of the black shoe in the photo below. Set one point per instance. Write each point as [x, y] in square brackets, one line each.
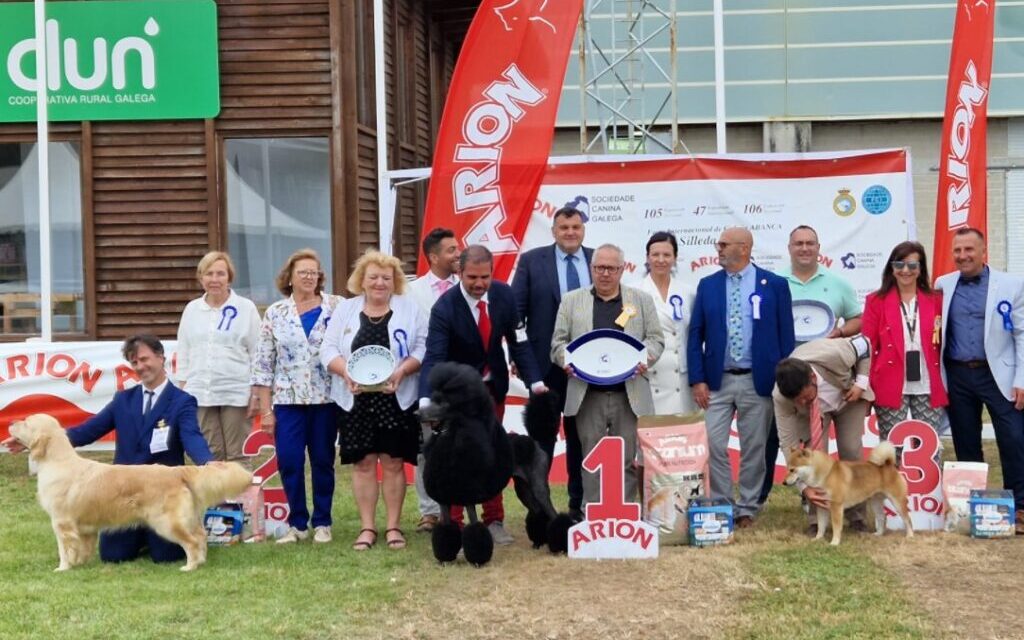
[576, 514]
[860, 527]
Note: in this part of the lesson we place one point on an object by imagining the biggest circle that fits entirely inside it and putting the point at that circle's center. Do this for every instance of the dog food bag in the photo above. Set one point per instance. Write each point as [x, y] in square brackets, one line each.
[992, 513]
[224, 524]
[254, 527]
[675, 471]
[958, 479]
[711, 522]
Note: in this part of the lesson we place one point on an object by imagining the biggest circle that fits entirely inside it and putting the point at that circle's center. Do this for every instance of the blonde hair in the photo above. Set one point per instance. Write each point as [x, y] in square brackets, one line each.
[207, 261]
[284, 276]
[382, 260]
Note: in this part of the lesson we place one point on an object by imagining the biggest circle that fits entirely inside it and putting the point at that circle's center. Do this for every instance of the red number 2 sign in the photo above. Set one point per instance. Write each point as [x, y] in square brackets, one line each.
[608, 459]
[274, 500]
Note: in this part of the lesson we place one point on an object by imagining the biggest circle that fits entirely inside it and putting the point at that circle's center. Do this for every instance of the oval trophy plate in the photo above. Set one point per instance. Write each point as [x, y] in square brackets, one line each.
[371, 365]
[605, 356]
[812, 320]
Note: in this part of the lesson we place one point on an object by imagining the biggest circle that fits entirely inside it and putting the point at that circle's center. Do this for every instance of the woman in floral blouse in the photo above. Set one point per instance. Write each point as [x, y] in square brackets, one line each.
[303, 418]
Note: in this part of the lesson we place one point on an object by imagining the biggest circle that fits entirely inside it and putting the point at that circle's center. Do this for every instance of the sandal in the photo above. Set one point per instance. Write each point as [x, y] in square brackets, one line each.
[363, 545]
[395, 543]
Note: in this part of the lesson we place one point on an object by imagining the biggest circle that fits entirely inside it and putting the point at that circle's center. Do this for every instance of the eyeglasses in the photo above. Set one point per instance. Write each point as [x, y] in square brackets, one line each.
[721, 246]
[899, 265]
[309, 275]
[604, 270]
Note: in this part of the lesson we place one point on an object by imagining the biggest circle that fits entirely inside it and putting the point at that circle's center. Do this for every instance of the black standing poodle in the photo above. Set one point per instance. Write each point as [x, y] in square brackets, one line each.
[471, 458]
[468, 461]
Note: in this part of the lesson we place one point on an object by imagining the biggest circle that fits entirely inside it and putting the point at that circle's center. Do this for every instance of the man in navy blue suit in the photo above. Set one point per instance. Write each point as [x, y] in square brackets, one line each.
[156, 424]
[741, 326]
[467, 325]
[543, 276]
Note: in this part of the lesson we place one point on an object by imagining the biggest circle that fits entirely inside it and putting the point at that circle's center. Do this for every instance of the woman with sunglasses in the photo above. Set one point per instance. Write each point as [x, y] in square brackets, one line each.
[903, 321]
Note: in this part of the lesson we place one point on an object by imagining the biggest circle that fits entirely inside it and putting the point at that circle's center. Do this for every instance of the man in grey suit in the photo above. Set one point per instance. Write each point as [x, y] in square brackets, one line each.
[827, 379]
[610, 410]
[983, 358]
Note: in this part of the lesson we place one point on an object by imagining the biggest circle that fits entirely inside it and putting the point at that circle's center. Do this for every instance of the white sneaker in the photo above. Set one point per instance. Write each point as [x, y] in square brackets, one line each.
[322, 534]
[498, 533]
[293, 535]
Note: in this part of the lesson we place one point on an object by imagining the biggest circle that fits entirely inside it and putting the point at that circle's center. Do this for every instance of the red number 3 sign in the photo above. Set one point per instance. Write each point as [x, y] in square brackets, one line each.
[919, 464]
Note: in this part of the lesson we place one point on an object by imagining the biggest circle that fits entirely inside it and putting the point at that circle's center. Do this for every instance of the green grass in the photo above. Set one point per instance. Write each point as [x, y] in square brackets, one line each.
[293, 591]
[788, 586]
[816, 591]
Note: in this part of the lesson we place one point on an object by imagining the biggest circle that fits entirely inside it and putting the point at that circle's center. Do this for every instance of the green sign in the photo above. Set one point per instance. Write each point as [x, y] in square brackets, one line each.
[112, 60]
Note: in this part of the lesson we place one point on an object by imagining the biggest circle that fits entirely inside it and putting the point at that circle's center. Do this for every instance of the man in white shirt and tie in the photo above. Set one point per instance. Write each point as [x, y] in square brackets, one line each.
[442, 253]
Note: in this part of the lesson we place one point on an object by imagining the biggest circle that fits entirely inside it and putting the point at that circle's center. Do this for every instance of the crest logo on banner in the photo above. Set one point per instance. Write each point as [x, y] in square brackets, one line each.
[498, 122]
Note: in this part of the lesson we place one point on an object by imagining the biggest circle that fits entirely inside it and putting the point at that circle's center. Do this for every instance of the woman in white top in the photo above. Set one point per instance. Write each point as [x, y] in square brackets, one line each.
[217, 339]
[674, 300]
[377, 425]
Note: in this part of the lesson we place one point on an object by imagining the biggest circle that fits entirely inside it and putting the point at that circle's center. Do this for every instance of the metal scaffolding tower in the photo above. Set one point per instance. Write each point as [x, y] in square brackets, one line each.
[627, 83]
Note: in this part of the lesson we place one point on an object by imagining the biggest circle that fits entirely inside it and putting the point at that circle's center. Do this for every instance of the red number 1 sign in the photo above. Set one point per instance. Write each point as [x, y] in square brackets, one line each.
[613, 528]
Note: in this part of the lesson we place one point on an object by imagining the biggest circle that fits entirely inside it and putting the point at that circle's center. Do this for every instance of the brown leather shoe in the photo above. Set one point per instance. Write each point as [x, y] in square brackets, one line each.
[427, 523]
[744, 522]
[1019, 526]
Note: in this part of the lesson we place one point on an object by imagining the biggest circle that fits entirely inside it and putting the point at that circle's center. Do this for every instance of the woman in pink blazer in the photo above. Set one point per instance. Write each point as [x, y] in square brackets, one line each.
[903, 321]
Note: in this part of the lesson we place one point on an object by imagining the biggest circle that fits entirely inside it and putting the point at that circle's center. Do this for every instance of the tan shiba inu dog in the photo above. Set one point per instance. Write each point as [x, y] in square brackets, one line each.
[851, 483]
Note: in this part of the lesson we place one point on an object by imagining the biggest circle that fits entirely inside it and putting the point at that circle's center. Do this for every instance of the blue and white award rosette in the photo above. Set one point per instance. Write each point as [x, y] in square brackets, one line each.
[812, 319]
[605, 356]
[371, 366]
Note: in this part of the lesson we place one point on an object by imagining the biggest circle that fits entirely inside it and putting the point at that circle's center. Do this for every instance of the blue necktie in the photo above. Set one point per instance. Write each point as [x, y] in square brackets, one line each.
[735, 318]
[572, 276]
[149, 404]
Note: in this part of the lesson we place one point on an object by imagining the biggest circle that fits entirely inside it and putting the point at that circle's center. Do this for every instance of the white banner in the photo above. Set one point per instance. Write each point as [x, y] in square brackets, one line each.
[860, 203]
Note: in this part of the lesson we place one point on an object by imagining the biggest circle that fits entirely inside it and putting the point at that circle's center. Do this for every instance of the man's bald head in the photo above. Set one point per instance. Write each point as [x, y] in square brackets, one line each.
[734, 246]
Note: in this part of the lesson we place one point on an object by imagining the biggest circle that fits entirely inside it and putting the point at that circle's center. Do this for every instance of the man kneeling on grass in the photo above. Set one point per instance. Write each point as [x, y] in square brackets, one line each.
[824, 382]
[156, 424]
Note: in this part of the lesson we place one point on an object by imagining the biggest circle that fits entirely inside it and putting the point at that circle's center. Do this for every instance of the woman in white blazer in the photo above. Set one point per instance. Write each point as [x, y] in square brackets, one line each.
[377, 425]
[674, 300]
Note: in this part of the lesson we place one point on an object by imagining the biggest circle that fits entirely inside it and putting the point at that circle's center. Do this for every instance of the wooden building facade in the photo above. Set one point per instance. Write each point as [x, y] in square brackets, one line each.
[157, 195]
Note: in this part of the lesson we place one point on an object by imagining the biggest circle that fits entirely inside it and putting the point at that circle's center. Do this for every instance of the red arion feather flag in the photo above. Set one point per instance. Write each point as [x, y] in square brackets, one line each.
[962, 163]
[498, 122]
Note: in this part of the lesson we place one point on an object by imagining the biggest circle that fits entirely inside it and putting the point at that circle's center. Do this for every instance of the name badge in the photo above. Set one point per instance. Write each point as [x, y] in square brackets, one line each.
[755, 306]
[521, 334]
[158, 443]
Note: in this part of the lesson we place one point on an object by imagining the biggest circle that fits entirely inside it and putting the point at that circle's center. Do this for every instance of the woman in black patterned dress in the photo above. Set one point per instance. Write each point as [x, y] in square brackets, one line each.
[377, 425]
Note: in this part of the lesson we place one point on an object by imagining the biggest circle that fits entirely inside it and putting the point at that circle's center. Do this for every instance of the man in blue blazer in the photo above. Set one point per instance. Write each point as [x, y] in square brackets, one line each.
[543, 275]
[458, 322]
[742, 325]
[156, 424]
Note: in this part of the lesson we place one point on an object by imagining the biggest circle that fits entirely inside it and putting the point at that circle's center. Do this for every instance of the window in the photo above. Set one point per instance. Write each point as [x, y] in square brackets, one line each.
[278, 201]
[19, 239]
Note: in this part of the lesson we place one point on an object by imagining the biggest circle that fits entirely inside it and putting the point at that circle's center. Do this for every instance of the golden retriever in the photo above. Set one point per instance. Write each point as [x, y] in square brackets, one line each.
[84, 497]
